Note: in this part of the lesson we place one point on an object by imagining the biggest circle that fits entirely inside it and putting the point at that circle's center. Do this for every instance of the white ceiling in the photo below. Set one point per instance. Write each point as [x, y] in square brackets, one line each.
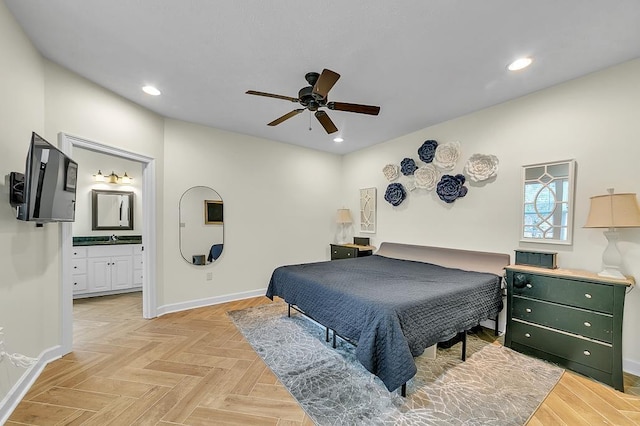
[422, 62]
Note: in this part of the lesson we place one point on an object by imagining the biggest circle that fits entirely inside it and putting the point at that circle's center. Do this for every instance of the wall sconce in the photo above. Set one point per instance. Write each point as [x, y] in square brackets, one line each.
[613, 211]
[112, 178]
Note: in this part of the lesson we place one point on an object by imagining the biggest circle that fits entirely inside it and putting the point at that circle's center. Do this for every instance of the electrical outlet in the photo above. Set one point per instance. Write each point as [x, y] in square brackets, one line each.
[209, 276]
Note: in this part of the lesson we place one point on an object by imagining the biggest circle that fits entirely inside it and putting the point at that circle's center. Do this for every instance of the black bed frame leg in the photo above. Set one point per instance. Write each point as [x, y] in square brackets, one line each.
[403, 391]
[497, 333]
[289, 310]
[334, 339]
[464, 345]
[326, 337]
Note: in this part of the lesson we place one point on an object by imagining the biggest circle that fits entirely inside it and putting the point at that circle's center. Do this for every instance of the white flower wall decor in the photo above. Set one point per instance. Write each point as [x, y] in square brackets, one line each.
[480, 167]
[391, 172]
[447, 155]
[435, 171]
[427, 177]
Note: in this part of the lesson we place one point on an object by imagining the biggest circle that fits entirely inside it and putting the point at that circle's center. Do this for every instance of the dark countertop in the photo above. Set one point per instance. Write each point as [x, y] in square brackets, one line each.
[106, 240]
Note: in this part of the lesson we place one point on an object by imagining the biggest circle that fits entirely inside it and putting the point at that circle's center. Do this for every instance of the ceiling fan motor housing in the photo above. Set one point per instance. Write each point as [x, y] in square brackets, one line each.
[311, 100]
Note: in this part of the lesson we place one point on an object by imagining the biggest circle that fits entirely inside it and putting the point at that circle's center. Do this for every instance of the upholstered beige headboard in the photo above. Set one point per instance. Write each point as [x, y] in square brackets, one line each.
[451, 258]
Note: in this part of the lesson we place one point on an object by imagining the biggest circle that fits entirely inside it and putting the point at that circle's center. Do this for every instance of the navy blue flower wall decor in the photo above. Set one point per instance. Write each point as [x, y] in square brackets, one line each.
[408, 166]
[427, 150]
[451, 188]
[395, 194]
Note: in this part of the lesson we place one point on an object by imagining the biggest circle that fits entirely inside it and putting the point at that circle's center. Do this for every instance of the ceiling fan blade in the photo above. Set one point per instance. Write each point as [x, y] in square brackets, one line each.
[285, 117]
[326, 122]
[325, 82]
[271, 95]
[361, 109]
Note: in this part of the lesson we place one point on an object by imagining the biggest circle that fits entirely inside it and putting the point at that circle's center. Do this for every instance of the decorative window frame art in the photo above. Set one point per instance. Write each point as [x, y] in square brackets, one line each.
[368, 210]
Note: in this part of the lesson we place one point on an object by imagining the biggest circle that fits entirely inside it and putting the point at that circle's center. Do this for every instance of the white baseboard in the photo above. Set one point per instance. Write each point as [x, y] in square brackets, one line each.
[200, 303]
[22, 386]
[632, 367]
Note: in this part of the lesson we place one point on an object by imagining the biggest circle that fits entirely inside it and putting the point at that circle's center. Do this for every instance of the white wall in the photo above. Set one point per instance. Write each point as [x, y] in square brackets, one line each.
[90, 162]
[593, 120]
[28, 255]
[279, 200]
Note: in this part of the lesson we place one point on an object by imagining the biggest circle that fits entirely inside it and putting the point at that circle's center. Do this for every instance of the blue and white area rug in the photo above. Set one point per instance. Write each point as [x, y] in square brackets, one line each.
[495, 386]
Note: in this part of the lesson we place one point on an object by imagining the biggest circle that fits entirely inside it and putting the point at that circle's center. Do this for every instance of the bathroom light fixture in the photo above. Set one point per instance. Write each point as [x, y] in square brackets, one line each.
[112, 178]
[150, 90]
[99, 177]
[519, 64]
[125, 179]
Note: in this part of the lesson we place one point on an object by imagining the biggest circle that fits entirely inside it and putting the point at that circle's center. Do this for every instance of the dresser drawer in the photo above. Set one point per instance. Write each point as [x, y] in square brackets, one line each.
[78, 266]
[78, 252]
[341, 252]
[574, 320]
[597, 297]
[79, 283]
[571, 348]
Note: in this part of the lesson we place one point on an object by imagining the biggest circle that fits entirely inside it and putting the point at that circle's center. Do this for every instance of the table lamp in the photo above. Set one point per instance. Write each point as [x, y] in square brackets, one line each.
[343, 219]
[613, 211]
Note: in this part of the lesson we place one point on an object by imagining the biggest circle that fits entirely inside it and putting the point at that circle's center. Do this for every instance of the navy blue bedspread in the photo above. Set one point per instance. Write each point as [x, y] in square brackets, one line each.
[393, 309]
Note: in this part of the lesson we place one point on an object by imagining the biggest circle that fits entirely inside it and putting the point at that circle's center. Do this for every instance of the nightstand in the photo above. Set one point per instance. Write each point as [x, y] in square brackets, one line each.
[572, 318]
[349, 251]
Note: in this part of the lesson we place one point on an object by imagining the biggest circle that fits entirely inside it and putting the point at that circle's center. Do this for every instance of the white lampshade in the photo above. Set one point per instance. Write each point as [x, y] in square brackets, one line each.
[344, 216]
[614, 211]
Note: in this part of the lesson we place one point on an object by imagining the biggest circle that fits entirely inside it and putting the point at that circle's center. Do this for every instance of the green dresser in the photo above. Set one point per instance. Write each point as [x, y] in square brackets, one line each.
[572, 318]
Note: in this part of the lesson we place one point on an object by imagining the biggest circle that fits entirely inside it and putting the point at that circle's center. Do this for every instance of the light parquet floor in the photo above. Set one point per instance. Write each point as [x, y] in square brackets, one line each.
[195, 368]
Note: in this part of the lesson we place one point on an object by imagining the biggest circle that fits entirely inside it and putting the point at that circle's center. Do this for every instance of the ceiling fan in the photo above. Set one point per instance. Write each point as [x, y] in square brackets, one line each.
[314, 97]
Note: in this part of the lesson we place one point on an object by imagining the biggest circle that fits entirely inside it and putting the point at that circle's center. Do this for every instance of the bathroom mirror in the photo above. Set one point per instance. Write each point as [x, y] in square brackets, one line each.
[111, 210]
[201, 225]
[547, 213]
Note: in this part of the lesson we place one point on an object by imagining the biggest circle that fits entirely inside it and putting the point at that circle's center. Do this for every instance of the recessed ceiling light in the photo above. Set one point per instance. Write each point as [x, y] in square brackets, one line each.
[150, 90]
[519, 64]
[338, 139]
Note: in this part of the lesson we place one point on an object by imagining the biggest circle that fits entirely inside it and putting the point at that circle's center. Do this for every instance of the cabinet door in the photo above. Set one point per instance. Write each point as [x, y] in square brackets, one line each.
[99, 273]
[121, 272]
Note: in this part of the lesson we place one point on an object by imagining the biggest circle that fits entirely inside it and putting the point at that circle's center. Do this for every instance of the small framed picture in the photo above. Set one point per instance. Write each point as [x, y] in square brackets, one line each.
[71, 176]
[213, 212]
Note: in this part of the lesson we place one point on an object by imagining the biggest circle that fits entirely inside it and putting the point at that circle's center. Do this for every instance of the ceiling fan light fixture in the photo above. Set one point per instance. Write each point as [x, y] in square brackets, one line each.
[338, 139]
[151, 90]
[519, 64]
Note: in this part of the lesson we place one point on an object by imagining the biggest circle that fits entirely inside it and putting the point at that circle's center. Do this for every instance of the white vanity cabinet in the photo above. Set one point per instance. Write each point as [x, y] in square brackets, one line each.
[106, 269]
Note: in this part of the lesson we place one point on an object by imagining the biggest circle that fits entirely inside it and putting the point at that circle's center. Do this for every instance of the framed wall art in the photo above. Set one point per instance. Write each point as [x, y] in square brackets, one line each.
[368, 210]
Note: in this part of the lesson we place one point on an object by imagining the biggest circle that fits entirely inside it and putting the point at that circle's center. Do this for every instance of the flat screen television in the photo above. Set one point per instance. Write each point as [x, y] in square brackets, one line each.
[46, 192]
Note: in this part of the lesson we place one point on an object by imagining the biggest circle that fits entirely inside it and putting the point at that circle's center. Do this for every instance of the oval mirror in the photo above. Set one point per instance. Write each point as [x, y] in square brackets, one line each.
[201, 225]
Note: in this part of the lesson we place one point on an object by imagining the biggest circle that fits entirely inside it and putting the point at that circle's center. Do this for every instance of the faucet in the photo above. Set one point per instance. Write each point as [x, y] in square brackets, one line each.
[113, 238]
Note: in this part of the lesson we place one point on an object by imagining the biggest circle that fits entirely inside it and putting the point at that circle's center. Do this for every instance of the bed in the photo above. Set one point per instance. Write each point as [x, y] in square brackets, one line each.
[397, 302]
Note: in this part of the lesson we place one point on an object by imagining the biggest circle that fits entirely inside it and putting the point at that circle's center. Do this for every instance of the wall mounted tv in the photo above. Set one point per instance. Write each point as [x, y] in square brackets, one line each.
[46, 191]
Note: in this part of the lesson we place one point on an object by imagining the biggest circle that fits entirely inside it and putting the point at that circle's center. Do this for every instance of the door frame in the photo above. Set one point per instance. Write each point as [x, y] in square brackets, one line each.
[66, 143]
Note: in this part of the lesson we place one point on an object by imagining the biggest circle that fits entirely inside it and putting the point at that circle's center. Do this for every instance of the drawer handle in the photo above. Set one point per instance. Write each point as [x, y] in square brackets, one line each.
[527, 335]
[75, 283]
[528, 310]
[75, 267]
[587, 324]
[587, 353]
[529, 286]
[587, 295]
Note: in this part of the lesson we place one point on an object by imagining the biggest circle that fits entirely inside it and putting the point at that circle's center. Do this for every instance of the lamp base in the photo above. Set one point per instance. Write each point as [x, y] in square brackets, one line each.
[611, 273]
